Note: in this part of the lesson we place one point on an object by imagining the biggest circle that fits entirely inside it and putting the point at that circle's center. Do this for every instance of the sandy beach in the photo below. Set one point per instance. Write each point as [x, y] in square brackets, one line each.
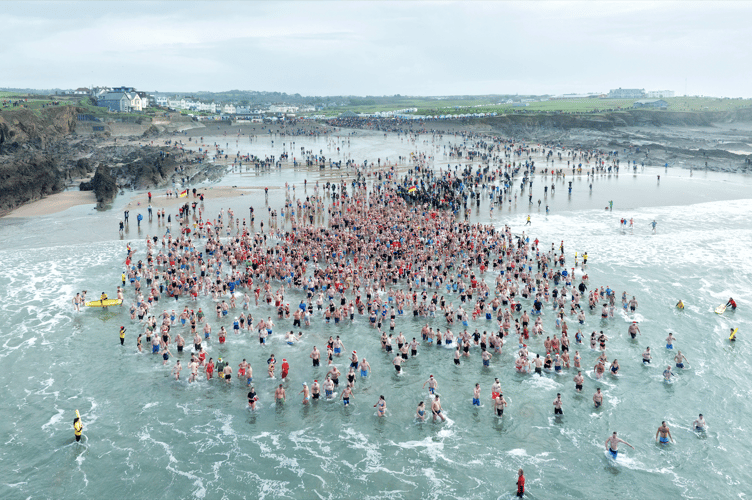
[55, 203]
[161, 200]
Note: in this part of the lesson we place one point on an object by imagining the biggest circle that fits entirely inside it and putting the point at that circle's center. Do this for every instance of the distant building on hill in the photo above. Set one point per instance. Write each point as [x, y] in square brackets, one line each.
[564, 97]
[621, 93]
[124, 102]
[282, 108]
[114, 101]
[659, 94]
[650, 103]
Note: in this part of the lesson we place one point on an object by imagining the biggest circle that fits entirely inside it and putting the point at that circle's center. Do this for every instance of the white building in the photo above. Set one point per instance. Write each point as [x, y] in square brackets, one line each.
[229, 109]
[659, 94]
[135, 101]
[281, 108]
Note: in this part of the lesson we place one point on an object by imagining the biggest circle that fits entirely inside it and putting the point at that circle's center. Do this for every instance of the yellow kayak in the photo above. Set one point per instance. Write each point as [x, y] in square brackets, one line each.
[103, 303]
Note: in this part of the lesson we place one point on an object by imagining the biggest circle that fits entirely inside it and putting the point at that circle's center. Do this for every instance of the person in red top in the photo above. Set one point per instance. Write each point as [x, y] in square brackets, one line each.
[731, 303]
[285, 369]
[520, 484]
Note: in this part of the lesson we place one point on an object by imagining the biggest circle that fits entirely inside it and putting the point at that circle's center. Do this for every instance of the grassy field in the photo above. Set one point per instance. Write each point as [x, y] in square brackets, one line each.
[440, 106]
[693, 104]
[432, 106]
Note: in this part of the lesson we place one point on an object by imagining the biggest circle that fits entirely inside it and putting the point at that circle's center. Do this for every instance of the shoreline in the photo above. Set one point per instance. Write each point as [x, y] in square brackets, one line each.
[53, 204]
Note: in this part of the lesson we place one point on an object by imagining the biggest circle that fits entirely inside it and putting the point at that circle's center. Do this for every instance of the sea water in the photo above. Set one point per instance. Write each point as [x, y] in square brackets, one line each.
[148, 435]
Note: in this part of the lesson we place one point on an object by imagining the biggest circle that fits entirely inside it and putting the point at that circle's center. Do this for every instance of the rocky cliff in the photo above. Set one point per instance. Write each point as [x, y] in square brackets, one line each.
[32, 143]
[40, 153]
[516, 124]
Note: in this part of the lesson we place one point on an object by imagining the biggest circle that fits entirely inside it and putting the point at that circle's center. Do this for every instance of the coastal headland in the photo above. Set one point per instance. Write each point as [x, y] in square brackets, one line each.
[57, 151]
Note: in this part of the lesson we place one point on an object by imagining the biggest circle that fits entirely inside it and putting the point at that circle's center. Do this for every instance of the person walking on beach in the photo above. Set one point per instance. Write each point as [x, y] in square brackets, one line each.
[653, 224]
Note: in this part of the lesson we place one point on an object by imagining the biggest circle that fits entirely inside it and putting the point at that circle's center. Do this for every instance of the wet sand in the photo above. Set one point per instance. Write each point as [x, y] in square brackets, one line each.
[141, 200]
[55, 203]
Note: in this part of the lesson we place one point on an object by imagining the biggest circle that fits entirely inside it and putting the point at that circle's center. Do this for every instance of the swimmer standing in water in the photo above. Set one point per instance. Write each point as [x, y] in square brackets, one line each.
[680, 358]
[436, 409]
[699, 424]
[663, 434]
[598, 398]
[634, 330]
[380, 407]
[612, 445]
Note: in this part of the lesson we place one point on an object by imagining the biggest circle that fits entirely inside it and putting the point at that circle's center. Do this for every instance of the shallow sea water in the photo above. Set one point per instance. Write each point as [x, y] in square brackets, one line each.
[146, 434]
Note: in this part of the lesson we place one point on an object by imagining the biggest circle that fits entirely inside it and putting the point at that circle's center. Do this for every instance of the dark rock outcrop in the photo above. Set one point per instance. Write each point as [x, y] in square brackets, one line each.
[103, 184]
[28, 179]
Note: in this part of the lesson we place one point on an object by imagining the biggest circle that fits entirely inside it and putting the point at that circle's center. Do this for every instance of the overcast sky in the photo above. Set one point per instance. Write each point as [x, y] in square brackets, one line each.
[362, 48]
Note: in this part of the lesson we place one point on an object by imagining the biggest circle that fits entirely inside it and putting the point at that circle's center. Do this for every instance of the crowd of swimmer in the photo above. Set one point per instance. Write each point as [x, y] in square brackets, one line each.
[374, 240]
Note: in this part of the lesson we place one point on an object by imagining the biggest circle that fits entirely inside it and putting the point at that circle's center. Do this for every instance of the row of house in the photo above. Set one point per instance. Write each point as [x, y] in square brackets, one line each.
[187, 104]
[621, 93]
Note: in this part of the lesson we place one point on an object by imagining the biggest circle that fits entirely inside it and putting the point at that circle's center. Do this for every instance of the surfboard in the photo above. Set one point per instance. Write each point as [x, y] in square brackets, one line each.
[733, 334]
[104, 303]
[720, 309]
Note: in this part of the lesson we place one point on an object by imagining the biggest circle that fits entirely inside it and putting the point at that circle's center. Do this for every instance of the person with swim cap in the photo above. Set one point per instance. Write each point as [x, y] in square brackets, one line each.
[432, 384]
[78, 427]
[305, 393]
[634, 330]
[664, 433]
[122, 335]
[612, 445]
